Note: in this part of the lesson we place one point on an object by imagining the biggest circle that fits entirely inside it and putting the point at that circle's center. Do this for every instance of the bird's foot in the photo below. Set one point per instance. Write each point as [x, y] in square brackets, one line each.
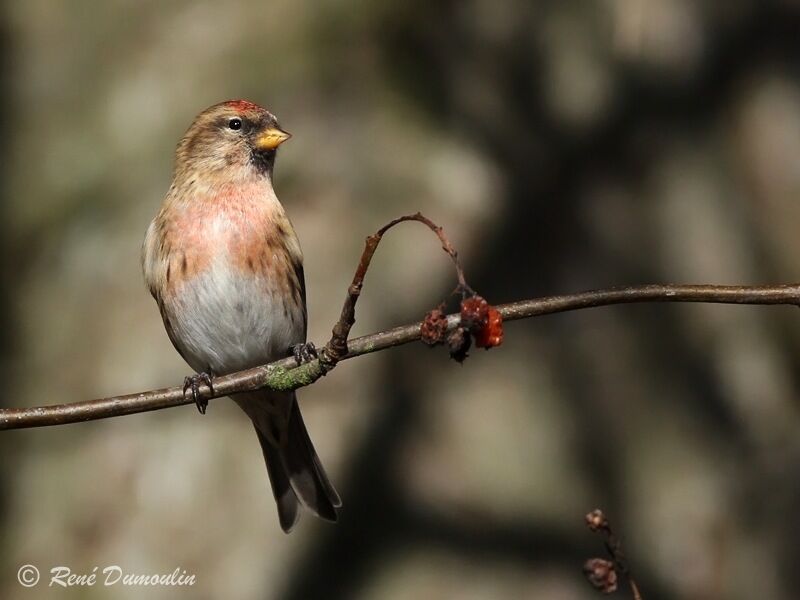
[193, 382]
[304, 353]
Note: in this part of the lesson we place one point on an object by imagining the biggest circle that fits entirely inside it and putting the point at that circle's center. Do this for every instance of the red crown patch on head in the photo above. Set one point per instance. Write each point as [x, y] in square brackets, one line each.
[244, 105]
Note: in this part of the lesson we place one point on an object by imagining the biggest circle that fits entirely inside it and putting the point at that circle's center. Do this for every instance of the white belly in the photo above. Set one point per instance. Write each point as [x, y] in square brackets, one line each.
[228, 320]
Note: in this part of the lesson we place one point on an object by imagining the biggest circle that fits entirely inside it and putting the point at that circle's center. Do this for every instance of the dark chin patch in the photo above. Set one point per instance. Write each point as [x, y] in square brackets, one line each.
[263, 161]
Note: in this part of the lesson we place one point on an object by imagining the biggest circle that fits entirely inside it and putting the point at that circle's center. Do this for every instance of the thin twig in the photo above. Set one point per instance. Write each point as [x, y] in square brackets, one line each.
[284, 375]
[336, 348]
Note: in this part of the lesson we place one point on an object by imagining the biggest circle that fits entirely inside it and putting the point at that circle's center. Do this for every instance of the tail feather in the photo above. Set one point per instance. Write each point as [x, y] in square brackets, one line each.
[297, 423]
[297, 475]
[285, 498]
[306, 475]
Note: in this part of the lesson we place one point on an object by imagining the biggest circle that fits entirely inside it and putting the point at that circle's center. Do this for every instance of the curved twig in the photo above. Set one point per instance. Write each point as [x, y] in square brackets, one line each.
[337, 348]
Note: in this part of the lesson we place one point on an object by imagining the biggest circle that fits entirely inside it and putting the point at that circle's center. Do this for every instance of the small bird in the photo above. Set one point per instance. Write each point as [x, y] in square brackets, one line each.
[224, 265]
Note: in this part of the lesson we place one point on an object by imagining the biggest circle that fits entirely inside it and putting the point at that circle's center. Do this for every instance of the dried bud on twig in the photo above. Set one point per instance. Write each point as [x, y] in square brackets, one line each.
[459, 342]
[434, 327]
[597, 521]
[601, 574]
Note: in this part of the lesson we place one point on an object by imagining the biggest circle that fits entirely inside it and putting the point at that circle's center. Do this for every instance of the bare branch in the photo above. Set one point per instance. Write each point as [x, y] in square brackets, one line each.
[285, 375]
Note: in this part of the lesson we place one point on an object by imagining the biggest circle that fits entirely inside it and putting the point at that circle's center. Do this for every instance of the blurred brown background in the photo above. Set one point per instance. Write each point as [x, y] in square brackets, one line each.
[564, 146]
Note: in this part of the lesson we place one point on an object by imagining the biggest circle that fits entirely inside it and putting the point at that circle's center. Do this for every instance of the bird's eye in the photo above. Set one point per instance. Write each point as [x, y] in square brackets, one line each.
[235, 124]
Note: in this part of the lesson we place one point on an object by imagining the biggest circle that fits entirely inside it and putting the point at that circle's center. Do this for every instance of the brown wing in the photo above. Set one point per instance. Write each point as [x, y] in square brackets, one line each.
[300, 273]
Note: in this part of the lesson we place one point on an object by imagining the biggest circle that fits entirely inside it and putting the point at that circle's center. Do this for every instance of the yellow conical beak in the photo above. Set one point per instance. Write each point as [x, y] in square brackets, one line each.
[271, 138]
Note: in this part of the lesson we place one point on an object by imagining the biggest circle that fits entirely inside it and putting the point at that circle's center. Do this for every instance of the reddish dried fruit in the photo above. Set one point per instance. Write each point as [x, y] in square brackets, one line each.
[601, 574]
[474, 313]
[434, 327]
[491, 334]
[459, 342]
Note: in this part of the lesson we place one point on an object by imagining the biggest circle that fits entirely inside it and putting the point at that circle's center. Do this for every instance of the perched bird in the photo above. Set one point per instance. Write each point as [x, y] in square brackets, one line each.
[224, 265]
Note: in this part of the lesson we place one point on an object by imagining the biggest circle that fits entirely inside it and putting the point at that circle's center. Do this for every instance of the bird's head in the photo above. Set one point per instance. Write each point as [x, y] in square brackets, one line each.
[236, 137]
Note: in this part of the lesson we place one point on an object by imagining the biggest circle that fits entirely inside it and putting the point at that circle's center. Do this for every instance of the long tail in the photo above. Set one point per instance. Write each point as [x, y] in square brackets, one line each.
[296, 474]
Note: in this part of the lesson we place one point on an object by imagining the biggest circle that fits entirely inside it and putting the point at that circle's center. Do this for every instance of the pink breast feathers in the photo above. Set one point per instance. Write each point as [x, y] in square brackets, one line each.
[246, 230]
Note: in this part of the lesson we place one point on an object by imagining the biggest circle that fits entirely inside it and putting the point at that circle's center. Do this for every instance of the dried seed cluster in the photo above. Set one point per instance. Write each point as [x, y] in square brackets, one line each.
[478, 319]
